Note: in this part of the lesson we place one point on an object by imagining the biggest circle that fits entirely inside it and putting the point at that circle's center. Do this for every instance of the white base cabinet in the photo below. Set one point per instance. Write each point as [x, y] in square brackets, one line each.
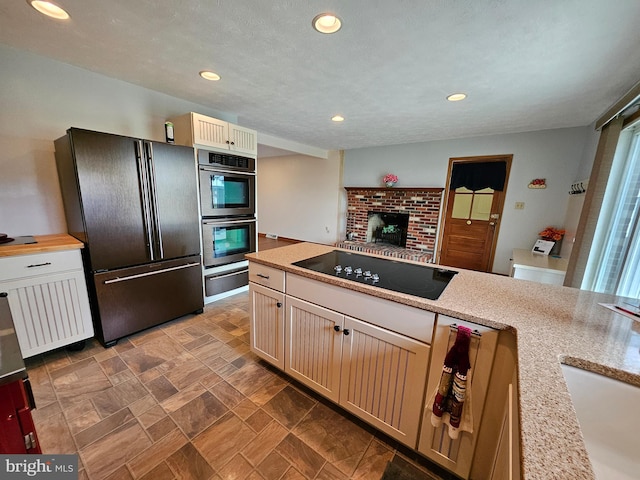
[371, 371]
[48, 299]
[457, 455]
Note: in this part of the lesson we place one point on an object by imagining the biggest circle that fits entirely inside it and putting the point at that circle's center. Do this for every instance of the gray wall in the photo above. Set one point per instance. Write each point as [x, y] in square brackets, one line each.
[39, 100]
[556, 155]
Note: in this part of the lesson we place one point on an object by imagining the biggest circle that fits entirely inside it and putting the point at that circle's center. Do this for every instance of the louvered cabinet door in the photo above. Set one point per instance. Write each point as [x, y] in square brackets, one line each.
[383, 379]
[49, 311]
[267, 324]
[210, 132]
[243, 140]
[313, 339]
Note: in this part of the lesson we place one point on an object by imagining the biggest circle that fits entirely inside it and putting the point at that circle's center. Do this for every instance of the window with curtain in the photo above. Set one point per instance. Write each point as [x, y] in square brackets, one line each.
[614, 262]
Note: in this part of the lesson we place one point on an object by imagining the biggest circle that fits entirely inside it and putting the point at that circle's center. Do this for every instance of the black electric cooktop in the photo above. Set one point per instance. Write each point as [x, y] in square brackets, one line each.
[421, 281]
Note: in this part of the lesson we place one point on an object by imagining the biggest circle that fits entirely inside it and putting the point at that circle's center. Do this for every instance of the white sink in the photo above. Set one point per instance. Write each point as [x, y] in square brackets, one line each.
[609, 415]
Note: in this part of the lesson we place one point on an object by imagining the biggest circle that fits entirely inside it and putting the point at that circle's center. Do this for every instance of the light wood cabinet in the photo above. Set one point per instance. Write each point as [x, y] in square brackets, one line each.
[48, 299]
[193, 129]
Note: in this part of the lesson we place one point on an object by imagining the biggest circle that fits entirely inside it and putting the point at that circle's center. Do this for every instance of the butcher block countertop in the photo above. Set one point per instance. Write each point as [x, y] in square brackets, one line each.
[45, 243]
[552, 325]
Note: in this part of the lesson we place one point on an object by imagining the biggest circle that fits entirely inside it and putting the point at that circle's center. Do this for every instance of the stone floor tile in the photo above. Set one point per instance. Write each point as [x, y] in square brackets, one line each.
[272, 467]
[293, 474]
[161, 428]
[115, 398]
[157, 453]
[54, 435]
[340, 441]
[301, 456]
[161, 388]
[258, 420]
[331, 472]
[110, 452]
[151, 416]
[121, 473]
[227, 394]
[161, 472]
[373, 462]
[262, 445]
[196, 415]
[289, 406]
[183, 397]
[236, 435]
[188, 464]
[237, 469]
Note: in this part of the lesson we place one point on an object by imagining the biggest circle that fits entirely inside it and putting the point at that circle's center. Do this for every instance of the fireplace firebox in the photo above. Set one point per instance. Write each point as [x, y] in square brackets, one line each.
[387, 228]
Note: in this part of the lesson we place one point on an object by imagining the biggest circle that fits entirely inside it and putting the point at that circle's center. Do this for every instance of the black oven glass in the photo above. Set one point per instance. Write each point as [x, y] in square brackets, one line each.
[229, 192]
[409, 278]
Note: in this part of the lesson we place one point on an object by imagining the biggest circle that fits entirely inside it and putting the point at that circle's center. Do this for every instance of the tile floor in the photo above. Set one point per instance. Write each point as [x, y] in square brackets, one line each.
[188, 400]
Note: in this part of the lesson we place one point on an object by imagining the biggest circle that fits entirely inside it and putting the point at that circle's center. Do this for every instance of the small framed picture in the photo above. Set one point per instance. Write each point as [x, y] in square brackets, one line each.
[543, 247]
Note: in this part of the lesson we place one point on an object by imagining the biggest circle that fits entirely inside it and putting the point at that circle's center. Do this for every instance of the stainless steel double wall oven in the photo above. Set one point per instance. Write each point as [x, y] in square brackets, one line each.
[228, 209]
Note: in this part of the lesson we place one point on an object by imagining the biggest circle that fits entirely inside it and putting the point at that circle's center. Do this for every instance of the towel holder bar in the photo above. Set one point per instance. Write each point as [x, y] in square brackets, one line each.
[475, 333]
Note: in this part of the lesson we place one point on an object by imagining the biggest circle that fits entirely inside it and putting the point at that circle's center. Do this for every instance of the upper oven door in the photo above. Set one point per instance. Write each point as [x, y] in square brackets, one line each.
[224, 193]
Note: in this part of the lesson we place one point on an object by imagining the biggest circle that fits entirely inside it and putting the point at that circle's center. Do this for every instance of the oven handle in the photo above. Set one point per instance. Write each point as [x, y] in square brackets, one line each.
[222, 172]
[229, 222]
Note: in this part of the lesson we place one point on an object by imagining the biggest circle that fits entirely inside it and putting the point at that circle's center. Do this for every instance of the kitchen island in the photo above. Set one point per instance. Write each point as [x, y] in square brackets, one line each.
[552, 325]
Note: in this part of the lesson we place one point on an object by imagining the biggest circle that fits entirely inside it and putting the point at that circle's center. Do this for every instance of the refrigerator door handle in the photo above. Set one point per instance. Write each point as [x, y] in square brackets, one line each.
[154, 198]
[146, 274]
[144, 189]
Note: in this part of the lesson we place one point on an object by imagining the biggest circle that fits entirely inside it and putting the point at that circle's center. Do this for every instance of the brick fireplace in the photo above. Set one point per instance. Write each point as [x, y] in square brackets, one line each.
[422, 205]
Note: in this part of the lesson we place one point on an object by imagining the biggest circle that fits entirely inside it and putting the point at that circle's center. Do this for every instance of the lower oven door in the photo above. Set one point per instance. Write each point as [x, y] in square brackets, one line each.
[227, 240]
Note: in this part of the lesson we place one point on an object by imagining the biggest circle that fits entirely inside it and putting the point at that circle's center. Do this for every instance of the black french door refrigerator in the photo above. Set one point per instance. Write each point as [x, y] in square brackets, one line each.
[134, 204]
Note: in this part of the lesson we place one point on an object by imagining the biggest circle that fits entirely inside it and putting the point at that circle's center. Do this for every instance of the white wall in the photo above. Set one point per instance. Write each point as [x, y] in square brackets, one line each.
[300, 197]
[40, 99]
[552, 154]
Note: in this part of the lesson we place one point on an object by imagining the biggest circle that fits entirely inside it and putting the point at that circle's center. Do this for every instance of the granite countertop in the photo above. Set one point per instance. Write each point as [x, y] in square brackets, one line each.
[45, 243]
[552, 325]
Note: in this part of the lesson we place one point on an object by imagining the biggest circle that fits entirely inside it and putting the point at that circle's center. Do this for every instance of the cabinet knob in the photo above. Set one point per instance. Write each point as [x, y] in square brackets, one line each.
[336, 328]
[346, 331]
[232, 143]
[279, 304]
[468, 222]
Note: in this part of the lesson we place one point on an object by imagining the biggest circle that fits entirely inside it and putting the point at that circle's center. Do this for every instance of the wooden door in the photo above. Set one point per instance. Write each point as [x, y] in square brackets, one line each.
[383, 378]
[312, 348]
[472, 218]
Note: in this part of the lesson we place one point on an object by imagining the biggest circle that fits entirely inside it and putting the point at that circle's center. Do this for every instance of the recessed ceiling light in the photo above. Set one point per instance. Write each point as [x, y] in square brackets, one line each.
[456, 97]
[337, 118]
[208, 75]
[49, 9]
[326, 23]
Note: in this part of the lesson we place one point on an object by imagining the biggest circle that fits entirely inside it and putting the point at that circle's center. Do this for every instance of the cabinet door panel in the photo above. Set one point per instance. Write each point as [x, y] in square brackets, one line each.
[456, 455]
[267, 324]
[313, 346]
[243, 140]
[383, 379]
[49, 311]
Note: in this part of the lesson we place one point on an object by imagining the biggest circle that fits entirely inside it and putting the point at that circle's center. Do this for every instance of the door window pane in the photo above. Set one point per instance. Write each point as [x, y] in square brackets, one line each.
[461, 205]
[481, 209]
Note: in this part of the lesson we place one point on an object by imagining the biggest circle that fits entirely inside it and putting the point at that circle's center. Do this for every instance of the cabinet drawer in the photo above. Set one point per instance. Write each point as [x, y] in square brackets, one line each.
[404, 319]
[22, 266]
[267, 276]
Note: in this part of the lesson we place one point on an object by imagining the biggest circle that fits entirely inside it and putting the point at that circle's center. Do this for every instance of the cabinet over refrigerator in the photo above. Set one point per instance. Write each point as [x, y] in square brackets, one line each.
[134, 203]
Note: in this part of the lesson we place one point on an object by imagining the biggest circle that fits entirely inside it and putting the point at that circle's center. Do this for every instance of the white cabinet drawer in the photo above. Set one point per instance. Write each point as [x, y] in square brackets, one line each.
[404, 319]
[267, 276]
[23, 266]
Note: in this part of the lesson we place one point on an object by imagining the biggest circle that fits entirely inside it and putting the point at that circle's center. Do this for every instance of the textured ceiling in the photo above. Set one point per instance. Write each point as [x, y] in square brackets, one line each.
[525, 64]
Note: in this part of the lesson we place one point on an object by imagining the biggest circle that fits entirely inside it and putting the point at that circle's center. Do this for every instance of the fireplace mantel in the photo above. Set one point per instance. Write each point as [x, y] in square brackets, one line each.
[404, 189]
